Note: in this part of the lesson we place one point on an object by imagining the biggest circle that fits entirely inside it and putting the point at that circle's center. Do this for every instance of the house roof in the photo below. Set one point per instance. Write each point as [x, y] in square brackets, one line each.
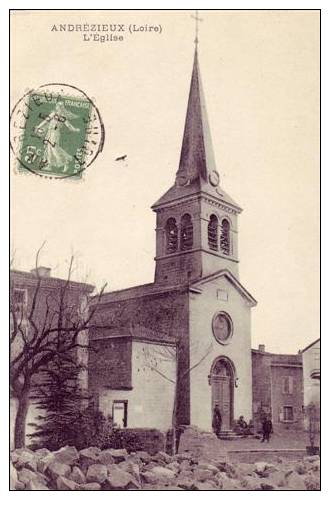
[26, 278]
[310, 345]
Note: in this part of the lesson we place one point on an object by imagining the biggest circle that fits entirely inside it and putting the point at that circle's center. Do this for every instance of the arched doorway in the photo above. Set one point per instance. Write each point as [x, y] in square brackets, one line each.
[222, 379]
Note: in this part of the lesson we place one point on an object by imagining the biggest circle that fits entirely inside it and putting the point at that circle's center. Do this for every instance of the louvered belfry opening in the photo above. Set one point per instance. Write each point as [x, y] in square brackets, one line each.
[212, 232]
[187, 233]
[225, 237]
[171, 236]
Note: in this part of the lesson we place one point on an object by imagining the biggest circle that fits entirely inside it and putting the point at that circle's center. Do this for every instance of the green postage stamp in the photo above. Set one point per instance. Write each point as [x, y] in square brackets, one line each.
[55, 133]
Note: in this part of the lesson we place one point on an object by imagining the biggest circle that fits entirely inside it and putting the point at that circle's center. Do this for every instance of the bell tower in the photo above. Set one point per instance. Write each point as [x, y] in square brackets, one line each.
[196, 230]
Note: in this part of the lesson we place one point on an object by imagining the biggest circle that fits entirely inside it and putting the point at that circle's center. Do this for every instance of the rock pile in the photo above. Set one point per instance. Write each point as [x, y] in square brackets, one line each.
[95, 469]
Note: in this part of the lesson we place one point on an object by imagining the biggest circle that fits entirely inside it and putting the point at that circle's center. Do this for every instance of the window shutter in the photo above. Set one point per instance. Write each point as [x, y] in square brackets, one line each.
[295, 414]
[280, 414]
[290, 384]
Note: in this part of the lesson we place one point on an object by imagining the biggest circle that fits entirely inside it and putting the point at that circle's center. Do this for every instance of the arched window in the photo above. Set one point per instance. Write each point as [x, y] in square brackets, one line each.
[187, 234]
[171, 231]
[225, 237]
[212, 233]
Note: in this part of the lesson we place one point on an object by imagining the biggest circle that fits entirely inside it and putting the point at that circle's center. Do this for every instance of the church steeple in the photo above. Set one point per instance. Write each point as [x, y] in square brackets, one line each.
[197, 157]
[196, 232]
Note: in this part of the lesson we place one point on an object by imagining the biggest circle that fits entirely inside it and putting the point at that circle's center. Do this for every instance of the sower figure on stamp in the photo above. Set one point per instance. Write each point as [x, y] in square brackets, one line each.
[217, 420]
[50, 128]
[267, 429]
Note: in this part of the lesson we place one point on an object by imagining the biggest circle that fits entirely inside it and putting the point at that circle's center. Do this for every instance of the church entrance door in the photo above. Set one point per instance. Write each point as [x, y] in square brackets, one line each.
[222, 391]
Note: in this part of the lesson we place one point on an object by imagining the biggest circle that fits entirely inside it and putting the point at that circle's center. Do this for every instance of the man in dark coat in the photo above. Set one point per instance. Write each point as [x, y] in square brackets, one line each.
[267, 429]
[217, 420]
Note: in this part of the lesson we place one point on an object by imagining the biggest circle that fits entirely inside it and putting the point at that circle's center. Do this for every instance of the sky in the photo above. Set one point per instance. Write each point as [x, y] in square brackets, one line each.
[260, 73]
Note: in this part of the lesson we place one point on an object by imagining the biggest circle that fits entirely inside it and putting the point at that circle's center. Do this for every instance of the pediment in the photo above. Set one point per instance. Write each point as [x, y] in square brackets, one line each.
[197, 285]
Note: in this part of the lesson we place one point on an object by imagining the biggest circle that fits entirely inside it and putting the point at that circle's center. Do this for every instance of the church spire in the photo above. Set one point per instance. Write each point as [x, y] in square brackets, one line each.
[197, 157]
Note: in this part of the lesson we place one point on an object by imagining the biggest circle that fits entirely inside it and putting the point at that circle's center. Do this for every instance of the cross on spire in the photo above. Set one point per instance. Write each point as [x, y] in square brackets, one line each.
[197, 20]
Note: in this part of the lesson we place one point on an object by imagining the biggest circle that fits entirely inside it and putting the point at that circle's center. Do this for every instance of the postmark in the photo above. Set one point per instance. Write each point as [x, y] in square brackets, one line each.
[56, 132]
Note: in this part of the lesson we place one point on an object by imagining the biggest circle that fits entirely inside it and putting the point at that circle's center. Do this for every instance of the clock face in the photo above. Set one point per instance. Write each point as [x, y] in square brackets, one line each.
[214, 178]
[222, 327]
[182, 180]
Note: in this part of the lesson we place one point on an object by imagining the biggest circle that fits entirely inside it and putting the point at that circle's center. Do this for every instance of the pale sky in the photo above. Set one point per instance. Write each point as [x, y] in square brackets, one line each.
[260, 73]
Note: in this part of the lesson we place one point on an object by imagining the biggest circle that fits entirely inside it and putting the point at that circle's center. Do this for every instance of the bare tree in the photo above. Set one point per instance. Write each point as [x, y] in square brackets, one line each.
[49, 329]
[157, 356]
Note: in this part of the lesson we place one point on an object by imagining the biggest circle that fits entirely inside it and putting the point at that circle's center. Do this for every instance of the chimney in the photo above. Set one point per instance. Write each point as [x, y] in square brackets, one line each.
[261, 348]
[44, 272]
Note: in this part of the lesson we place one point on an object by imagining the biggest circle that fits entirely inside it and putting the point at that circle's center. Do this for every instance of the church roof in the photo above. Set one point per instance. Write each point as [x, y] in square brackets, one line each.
[139, 291]
[227, 274]
[197, 167]
[138, 332]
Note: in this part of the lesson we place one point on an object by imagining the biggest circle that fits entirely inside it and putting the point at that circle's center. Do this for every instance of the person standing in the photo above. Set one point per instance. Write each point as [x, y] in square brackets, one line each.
[267, 429]
[217, 420]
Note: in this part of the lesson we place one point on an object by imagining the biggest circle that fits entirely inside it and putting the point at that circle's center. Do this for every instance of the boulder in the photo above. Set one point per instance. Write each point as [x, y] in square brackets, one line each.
[315, 466]
[312, 458]
[169, 488]
[118, 455]
[183, 456]
[35, 486]
[26, 475]
[89, 456]
[250, 483]
[41, 452]
[204, 486]
[20, 486]
[260, 467]
[97, 473]
[295, 482]
[174, 466]
[64, 484]
[106, 457]
[44, 461]
[67, 455]
[21, 454]
[244, 469]
[187, 473]
[300, 468]
[77, 475]
[118, 479]
[149, 477]
[13, 477]
[92, 486]
[185, 465]
[144, 456]
[267, 486]
[130, 467]
[277, 479]
[312, 482]
[202, 474]
[226, 467]
[162, 457]
[56, 469]
[186, 483]
[163, 473]
[23, 457]
[209, 467]
[225, 483]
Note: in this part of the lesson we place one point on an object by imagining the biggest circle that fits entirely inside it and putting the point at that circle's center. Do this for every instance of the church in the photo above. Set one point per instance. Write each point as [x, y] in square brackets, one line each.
[167, 352]
[182, 344]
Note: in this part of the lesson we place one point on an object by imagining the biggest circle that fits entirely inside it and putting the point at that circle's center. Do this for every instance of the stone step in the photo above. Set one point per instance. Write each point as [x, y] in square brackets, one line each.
[229, 435]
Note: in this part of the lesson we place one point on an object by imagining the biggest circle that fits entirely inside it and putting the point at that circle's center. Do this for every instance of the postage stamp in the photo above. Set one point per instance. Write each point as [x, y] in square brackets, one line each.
[56, 131]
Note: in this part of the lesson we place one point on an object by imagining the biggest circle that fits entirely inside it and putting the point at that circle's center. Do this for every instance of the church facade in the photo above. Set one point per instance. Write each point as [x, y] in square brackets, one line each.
[181, 344]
